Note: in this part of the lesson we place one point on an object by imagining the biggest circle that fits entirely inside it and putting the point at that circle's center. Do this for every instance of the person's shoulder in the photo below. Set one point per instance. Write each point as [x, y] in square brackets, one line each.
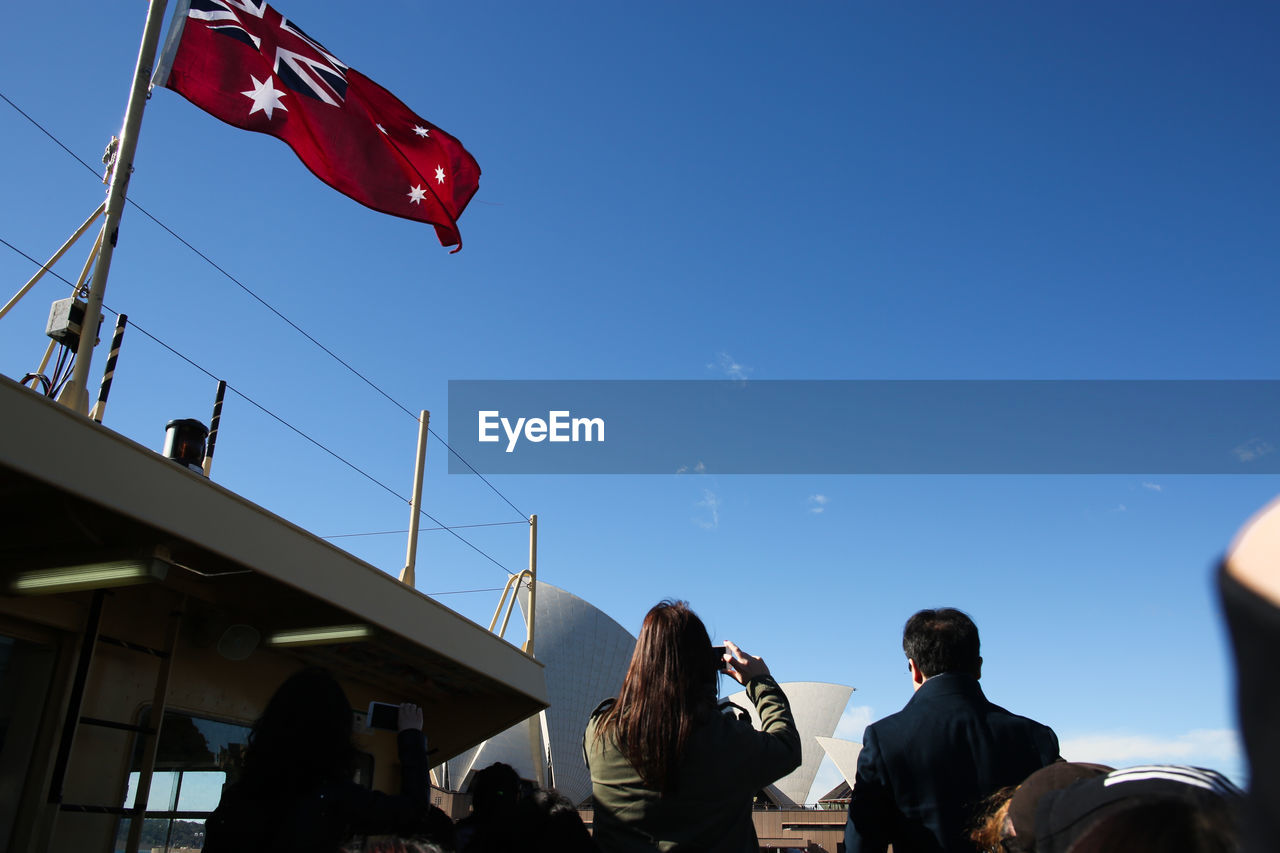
[598, 713]
[593, 721]
[1013, 719]
[908, 730]
[901, 717]
[241, 820]
[1037, 728]
[942, 698]
[888, 721]
[239, 799]
[1046, 737]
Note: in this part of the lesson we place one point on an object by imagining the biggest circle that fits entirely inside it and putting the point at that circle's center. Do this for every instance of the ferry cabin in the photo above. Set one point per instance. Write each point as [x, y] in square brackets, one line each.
[146, 616]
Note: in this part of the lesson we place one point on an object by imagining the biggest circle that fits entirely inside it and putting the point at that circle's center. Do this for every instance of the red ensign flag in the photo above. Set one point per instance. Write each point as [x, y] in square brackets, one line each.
[245, 63]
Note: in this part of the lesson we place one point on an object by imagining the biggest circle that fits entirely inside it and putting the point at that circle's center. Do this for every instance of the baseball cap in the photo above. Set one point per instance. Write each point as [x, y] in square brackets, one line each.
[1065, 814]
[1026, 799]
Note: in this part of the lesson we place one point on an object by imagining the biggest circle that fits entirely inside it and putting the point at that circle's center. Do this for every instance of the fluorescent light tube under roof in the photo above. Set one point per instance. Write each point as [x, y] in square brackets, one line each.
[89, 576]
[321, 635]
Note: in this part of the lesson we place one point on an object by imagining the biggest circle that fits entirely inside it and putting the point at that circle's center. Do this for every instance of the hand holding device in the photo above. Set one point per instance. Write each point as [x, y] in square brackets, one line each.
[394, 718]
[743, 667]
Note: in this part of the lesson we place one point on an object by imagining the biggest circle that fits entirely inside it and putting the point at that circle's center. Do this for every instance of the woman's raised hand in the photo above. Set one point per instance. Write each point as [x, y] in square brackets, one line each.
[409, 717]
[741, 666]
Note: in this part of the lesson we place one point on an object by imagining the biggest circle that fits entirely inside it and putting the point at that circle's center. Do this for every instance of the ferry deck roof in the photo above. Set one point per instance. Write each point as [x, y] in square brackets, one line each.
[70, 488]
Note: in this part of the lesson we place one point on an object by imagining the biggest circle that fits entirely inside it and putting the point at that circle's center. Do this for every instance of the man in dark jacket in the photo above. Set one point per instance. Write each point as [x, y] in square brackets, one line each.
[923, 770]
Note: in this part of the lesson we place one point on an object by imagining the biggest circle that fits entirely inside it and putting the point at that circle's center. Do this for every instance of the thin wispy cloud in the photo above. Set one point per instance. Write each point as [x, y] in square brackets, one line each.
[817, 504]
[1155, 487]
[730, 367]
[1252, 449]
[711, 504]
[1119, 508]
[1216, 748]
[696, 469]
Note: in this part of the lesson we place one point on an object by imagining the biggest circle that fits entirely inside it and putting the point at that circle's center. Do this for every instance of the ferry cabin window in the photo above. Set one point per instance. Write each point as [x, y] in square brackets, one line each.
[25, 670]
[196, 756]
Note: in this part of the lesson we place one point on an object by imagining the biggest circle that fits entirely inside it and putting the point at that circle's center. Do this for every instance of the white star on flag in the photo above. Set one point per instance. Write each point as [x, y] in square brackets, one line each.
[381, 128]
[439, 175]
[420, 130]
[265, 96]
[417, 194]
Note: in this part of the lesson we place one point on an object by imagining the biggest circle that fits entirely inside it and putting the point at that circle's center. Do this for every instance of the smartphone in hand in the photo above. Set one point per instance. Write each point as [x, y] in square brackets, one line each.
[383, 715]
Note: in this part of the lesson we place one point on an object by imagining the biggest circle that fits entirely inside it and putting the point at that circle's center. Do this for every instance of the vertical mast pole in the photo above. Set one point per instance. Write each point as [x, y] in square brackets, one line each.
[538, 721]
[533, 581]
[408, 575]
[76, 395]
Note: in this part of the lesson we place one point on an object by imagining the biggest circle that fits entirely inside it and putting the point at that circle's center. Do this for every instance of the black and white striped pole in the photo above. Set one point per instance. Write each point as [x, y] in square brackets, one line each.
[107, 375]
[213, 425]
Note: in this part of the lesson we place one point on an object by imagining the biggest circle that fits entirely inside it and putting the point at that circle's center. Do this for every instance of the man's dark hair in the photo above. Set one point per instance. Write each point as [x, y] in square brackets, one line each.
[943, 640]
[549, 823]
[495, 790]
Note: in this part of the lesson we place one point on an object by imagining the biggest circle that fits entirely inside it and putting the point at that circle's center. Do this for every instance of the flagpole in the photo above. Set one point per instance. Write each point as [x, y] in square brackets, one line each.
[76, 395]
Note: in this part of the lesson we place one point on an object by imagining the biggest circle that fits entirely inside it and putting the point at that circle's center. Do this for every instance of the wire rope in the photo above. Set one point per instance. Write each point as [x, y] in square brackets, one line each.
[134, 325]
[269, 307]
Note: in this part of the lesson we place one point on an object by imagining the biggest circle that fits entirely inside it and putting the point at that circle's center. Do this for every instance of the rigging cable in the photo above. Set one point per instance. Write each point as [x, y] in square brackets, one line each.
[273, 415]
[270, 308]
[133, 324]
[422, 530]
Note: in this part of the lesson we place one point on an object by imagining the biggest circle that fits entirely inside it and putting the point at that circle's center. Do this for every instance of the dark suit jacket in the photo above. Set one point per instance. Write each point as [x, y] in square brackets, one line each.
[924, 769]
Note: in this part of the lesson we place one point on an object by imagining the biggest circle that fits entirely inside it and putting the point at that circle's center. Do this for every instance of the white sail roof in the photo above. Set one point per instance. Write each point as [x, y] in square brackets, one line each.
[817, 707]
[844, 753]
[586, 654]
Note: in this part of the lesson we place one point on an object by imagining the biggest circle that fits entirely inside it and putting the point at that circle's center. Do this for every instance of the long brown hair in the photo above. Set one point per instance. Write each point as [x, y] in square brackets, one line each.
[670, 686]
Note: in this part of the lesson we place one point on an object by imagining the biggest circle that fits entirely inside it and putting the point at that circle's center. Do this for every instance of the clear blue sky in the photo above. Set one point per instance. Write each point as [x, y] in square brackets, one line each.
[684, 191]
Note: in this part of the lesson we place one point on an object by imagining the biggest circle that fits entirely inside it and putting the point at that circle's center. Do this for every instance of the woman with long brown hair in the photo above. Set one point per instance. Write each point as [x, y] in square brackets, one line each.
[670, 771]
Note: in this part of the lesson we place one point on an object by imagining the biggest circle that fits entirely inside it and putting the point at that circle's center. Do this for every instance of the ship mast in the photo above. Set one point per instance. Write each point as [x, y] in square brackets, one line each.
[76, 395]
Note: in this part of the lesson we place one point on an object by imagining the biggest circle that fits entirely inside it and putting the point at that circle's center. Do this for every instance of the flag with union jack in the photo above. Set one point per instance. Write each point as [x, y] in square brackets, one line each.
[247, 64]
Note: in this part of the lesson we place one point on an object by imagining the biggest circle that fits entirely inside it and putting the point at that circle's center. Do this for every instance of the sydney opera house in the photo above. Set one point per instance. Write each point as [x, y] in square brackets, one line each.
[586, 655]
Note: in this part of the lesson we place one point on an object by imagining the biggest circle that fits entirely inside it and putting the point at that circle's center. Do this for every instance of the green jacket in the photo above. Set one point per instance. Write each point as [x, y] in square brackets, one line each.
[726, 762]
